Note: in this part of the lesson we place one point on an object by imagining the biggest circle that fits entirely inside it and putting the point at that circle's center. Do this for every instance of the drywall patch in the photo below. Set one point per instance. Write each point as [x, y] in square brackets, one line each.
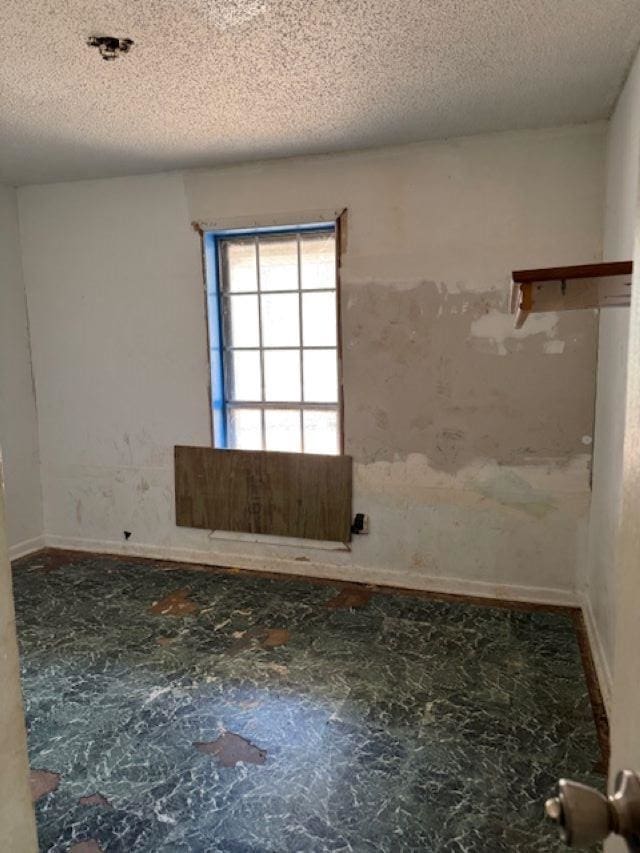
[496, 328]
[553, 347]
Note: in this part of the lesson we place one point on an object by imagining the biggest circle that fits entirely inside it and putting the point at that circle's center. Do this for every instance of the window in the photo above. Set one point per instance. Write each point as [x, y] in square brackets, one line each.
[272, 302]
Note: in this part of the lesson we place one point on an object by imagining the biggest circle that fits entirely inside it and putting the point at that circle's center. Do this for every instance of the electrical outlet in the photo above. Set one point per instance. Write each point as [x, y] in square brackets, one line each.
[360, 523]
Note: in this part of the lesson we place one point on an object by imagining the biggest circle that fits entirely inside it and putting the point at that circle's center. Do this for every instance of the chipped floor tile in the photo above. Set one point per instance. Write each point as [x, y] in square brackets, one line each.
[393, 723]
[94, 800]
[43, 782]
[176, 603]
[229, 749]
[350, 598]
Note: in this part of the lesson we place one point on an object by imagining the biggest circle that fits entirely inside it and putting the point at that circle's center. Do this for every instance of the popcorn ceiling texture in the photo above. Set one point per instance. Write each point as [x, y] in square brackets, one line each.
[211, 81]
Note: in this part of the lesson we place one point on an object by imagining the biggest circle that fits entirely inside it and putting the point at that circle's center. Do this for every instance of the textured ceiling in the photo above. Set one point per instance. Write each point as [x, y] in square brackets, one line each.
[212, 81]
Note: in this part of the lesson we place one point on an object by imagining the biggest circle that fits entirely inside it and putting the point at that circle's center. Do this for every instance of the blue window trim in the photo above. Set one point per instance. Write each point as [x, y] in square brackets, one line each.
[218, 405]
[211, 242]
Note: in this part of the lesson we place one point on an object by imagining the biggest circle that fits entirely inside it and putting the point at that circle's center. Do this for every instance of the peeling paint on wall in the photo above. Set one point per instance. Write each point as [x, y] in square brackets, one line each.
[456, 382]
[469, 462]
[497, 328]
[553, 347]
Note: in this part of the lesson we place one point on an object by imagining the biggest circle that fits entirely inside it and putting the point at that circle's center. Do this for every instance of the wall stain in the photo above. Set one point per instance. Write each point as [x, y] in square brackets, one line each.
[381, 419]
[509, 489]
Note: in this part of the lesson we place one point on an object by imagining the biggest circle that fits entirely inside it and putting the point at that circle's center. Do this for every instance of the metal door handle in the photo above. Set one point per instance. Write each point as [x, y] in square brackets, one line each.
[586, 816]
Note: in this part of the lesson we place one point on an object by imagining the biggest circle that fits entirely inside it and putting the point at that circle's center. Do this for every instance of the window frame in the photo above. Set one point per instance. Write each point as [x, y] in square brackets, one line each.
[214, 297]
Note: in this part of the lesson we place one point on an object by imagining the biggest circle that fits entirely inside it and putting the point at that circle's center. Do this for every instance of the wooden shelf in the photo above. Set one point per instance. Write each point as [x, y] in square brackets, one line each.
[570, 288]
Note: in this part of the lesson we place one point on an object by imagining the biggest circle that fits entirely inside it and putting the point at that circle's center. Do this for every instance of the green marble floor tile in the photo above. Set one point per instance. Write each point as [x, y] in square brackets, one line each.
[406, 724]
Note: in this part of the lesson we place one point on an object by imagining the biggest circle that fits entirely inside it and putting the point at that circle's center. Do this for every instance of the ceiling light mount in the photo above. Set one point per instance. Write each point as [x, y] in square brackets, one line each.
[110, 47]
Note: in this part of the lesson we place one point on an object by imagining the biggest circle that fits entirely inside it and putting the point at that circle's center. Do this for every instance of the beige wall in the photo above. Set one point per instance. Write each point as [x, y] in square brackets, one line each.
[17, 824]
[470, 440]
[18, 424]
[623, 161]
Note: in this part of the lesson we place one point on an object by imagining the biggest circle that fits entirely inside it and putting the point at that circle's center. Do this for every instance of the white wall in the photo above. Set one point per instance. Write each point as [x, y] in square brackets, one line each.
[467, 437]
[623, 161]
[18, 424]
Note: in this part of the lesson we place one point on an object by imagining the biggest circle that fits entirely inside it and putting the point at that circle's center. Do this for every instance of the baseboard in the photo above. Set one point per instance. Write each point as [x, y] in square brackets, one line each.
[340, 571]
[27, 546]
[603, 670]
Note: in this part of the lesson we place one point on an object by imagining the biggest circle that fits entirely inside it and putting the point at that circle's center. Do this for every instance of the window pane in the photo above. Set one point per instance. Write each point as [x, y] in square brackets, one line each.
[282, 430]
[320, 432]
[243, 328]
[319, 319]
[239, 264]
[280, 320]
[245, 429]
[243, 375]
[278, 263]
[282, 375]
[318, 261]
[320, 376]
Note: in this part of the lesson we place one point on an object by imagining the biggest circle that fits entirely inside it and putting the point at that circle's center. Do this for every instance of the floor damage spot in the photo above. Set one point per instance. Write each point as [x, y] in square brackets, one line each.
[368, 721]
[43, 782]
[275, 637]
[350, 598]
[94, 800]
[177, 603]
[278, 668]
[230, 748]
[254, 638]
[50, 561]
[165, 641]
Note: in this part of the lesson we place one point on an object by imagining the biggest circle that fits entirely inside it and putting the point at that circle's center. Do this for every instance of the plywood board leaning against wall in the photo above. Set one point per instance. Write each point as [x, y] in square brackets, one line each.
[303, 495]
